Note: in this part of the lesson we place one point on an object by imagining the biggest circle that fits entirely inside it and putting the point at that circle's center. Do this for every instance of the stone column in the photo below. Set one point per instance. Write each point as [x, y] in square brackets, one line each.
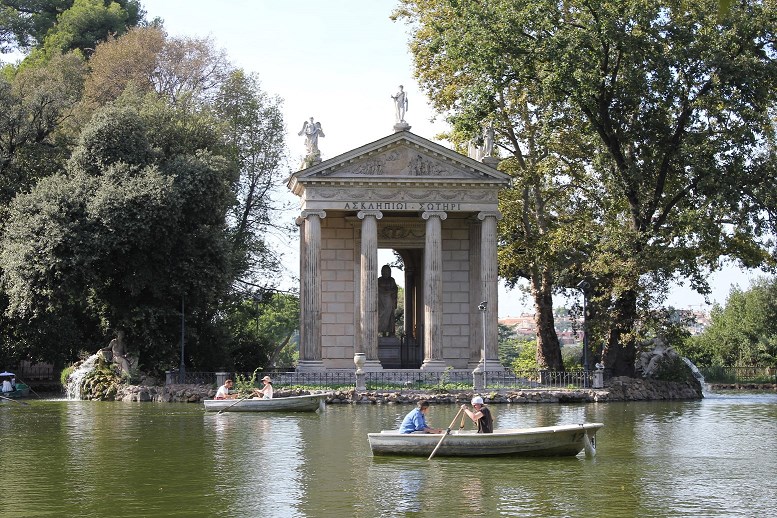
[489, 269]
[310, 358]
[433, 360]
[369, 287]
[475, 297]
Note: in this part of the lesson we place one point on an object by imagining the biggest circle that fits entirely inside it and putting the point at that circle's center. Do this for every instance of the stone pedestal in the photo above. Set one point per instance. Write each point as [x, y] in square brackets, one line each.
[390, 352]
[359, 359]
[311, 366]
[433, 365]
[598, 381]
[477, 379]
[401, 126]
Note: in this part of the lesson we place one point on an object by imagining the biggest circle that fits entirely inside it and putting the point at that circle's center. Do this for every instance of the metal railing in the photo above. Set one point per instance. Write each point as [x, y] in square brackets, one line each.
[408, 379]
[34, 371]
[190, 378]
[738, 375]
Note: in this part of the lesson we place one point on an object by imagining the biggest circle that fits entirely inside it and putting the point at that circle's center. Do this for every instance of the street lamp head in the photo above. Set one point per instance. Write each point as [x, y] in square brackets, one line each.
[482, 306]
[583, 285]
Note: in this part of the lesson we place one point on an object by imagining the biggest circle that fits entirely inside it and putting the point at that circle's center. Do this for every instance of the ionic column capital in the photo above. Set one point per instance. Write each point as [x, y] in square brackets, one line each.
[434, 213]
[305, 213]
[482, 215]
[364, 213]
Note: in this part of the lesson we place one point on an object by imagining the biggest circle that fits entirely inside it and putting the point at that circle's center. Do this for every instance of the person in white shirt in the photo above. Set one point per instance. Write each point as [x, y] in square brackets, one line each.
[223, 391]
[266, 391]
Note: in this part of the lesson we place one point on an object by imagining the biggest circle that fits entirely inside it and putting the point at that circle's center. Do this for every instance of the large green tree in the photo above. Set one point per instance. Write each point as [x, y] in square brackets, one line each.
[162, 206]
[676, 100]
[127, 232]
[64, 24]
[36, 103]
[743, 333]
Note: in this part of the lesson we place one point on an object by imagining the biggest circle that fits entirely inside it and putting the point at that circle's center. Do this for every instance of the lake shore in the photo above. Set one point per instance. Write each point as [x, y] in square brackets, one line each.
[617, 389]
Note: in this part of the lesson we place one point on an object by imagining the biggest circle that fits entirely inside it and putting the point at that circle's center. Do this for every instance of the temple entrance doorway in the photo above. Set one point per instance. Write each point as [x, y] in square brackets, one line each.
[400, 308]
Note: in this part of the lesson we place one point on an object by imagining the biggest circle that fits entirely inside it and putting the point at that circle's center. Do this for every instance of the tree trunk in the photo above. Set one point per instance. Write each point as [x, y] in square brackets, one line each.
[620, 349]
[277, 350]
[548, 347]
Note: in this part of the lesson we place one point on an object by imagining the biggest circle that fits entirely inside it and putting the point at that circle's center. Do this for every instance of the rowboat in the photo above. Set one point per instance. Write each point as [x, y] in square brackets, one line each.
[545, 441]
[307, 403]
[21, 391]
[18, 389]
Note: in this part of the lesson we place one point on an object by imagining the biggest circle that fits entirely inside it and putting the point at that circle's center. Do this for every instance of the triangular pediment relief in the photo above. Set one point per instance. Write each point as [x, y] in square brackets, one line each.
[402, 157]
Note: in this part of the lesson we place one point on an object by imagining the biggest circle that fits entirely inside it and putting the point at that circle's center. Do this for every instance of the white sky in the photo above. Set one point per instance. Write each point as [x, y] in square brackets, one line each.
[338, 61]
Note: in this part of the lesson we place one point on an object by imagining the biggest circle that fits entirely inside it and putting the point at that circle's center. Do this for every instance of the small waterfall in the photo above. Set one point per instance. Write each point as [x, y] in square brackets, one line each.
[77, 376]
[696, 374]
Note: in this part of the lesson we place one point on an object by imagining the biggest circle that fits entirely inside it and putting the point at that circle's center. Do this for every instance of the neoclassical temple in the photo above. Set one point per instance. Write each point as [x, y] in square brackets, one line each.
[437, 210]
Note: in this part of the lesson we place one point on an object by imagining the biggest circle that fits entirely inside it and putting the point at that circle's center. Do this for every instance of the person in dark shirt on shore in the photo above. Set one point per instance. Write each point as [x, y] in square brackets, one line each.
[480, 416]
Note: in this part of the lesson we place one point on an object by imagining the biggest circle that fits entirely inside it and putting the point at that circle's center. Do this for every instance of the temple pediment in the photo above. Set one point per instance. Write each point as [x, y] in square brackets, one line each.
[404, 159]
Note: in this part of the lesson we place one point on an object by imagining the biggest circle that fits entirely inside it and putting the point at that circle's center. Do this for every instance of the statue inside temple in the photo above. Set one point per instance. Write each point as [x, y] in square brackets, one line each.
[387, 302]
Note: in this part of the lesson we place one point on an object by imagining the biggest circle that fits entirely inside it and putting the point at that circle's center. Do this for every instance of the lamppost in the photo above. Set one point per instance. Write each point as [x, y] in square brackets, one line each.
[182, 367]
[583, 287]
[482, 307]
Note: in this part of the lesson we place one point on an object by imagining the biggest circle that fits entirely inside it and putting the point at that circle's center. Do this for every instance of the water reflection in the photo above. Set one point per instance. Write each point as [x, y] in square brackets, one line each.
[141, 459]
[254, 455]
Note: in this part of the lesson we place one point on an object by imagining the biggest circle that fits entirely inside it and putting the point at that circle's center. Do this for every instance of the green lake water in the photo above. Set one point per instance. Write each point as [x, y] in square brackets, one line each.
[711, 458]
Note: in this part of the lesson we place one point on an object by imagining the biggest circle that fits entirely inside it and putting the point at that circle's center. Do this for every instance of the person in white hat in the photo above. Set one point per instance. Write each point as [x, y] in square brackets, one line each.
[266, 391]
[480, 416]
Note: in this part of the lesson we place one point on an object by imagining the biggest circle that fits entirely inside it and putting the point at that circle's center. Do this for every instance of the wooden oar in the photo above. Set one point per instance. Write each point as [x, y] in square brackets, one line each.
[15, 401]
[28, 386]
[233, 404]
[447, 431]
[461, 424]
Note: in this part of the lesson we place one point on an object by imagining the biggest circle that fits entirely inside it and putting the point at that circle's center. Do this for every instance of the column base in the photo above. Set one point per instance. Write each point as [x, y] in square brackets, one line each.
[372, 366]
[310, 366]
[434, 366]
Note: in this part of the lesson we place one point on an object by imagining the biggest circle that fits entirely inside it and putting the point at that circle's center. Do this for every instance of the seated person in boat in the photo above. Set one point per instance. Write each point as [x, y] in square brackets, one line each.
[266, 391]
[223, 391]
[480, 416]
[415, 420]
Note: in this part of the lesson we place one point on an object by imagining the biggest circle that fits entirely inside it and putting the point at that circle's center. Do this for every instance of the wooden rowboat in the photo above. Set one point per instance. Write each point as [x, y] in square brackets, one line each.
[546, 441]
[21, 391]
[308, 403]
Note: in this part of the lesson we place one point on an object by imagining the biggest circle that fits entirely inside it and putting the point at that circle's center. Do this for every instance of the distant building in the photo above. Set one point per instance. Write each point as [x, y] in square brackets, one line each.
[525, 328]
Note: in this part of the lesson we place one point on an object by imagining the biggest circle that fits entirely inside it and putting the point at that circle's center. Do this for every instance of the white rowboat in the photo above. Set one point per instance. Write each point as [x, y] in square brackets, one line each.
[308, 403]
[546, 441]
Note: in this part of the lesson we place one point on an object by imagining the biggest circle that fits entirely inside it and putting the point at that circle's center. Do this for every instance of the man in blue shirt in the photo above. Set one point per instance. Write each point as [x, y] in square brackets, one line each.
[415, 420]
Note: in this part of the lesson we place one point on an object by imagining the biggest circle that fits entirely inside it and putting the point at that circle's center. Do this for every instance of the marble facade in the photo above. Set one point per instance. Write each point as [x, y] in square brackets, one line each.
[438, 210]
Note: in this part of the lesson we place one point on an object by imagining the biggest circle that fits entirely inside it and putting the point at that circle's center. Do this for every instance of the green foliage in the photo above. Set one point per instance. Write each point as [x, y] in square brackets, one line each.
[65, 374]
[673, 368]
[527, 357]
[36, 101]
[244, 386]
[124, 235]
[611, 112]
[743, 333]
[261, 331]
[134, 212]
[26, 23]
[572, 356]
[101, 384]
